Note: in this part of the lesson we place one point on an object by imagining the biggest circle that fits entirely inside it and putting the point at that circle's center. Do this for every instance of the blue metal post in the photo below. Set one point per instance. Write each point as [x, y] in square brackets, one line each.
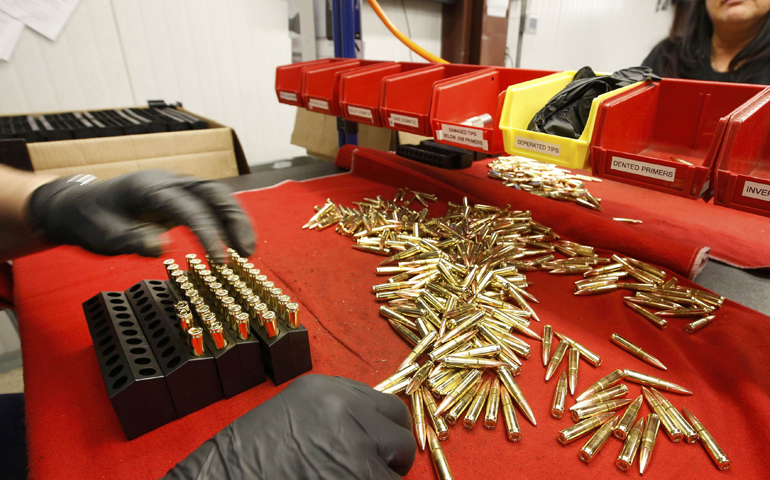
[346, 23]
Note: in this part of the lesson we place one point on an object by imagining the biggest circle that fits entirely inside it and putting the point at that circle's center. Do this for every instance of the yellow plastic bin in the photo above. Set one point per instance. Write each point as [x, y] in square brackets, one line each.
[524, 100]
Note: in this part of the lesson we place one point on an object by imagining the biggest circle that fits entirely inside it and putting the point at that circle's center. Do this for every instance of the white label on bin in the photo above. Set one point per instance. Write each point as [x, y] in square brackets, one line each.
[644, 169]
[292, 97]
[538, 146]
[322, 104]
[360, 112]
[403, 120]
[757, 190]
[472, 137]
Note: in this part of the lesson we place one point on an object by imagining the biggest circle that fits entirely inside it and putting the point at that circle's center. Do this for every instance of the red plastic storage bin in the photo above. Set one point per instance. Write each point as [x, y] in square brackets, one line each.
[665, 136]
[460, 98]
[288, 80]
[743, 170]
[405, 97]
[321, 85]
[360, 90]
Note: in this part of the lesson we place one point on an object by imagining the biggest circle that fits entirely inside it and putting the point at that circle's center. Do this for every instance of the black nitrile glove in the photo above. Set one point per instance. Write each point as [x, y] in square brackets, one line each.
[319, 428]
[124, 215]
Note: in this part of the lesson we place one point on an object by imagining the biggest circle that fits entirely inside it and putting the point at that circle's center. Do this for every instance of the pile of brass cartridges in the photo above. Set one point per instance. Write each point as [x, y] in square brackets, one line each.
[652, 290]
[457, 293]
[544, 180]
[596, 408]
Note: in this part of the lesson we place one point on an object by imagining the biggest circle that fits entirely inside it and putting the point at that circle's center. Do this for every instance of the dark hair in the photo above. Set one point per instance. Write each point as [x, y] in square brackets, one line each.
[682, 56]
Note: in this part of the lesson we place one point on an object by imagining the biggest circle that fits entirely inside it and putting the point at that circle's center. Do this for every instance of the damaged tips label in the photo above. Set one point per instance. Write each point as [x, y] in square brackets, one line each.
[471, 137]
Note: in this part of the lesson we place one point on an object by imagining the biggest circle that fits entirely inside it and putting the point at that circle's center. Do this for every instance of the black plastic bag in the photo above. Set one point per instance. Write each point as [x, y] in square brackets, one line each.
[567, 112]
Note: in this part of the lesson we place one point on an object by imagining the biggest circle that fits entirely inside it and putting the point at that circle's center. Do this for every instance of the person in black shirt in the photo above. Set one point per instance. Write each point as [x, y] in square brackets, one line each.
[724, 40]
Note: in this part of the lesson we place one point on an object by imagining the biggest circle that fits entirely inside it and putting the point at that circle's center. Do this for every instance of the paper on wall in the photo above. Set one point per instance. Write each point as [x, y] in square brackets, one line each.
[10, 32]
[497, 8]
[47, 17]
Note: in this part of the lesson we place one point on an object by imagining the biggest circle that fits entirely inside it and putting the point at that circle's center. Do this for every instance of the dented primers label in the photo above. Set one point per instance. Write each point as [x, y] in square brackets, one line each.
[471, 137]
[756, 190]
[292, 97]
[360, 112]
[322, 104]
[538, 146]
[644, 169]
[403, 120]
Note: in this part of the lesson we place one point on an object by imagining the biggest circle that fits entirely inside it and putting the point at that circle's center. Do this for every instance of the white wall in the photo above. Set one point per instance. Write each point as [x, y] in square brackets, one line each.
[217, 58]
[605, 34]
[424, 20]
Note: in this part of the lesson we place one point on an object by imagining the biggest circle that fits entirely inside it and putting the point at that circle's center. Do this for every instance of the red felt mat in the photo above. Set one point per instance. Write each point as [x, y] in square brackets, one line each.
[683, 255]
[734, 237]
[73, 432]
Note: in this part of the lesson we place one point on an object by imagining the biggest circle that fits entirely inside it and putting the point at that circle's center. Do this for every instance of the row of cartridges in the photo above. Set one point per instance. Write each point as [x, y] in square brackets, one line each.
[231, 294]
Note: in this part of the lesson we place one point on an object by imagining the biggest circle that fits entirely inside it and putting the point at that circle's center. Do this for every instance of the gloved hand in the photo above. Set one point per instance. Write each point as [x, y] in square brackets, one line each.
[124, 215]
[319, 428]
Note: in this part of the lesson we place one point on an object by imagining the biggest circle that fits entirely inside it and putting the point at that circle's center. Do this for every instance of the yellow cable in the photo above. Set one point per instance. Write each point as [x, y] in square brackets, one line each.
[404, 39]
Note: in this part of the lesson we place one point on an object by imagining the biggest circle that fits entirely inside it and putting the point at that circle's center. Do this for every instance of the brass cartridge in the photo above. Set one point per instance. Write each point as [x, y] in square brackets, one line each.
[556, 358]
[570, 434]
[218, 335]
[459, 407]
[615, 391]
[698, 324]
[603, 383]
[271, 325]
[636, 351]
[585, 353]
[439, 425]
[628, 418]
[242, 325]
[648, 441]
[439, 459]
[546, 342]
[627, 454]
[477, 404]
[509, 414]
[572, 369]
[651, 381]
[506, 377]
[599, 408]
[559, 396]
[195, 335]
[709, 444]
[672, 430]
[397, 377]
[493, 405]
[418, 417]
[597, 441]
[688, 432]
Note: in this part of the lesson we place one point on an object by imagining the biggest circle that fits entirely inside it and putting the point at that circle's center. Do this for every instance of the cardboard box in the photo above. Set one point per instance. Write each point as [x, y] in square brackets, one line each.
[210, 153]
[317, 133]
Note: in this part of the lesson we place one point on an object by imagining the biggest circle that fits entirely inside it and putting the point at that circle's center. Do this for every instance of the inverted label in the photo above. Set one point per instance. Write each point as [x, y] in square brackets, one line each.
[360, 112]
[292, 97]
[644, 169]
[472, 137]
[403, 120]
[322, 104]
[538, 146]
[759, 191]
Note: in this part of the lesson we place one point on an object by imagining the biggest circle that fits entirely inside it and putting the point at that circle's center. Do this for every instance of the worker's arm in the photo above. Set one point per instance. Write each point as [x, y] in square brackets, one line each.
[122, 215]
[319, 428]
[17, 236]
